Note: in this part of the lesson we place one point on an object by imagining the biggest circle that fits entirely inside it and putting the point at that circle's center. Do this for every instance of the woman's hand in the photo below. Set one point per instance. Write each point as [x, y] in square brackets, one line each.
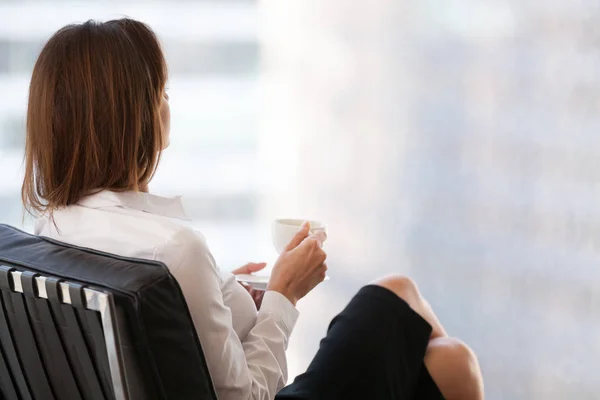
[301, 266]
[257, 295]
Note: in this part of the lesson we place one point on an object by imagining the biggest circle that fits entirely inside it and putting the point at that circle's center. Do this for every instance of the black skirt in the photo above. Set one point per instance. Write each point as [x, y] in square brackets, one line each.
[373, 350]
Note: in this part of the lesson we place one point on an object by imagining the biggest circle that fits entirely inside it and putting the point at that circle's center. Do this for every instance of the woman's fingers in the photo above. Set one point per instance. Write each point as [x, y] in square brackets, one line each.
[255, 267]
[299, 237]
[249, 268]
[320, 236]
[315, 240]
[311, 247]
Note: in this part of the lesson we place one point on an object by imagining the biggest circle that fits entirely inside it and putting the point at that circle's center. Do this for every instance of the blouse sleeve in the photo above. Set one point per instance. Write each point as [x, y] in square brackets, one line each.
[255, 368]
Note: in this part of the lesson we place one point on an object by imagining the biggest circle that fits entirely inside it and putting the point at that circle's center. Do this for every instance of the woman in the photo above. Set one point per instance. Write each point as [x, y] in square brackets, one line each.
[98, 118]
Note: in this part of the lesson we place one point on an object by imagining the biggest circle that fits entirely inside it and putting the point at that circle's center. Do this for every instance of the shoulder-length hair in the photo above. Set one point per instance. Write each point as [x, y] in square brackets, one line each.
[93, 116]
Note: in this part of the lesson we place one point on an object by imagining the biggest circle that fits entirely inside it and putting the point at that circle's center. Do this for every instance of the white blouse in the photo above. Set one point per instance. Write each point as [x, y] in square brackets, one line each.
[244, 349]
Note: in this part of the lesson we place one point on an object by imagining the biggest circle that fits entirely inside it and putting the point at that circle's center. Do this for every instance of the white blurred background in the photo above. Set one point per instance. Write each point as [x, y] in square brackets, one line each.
[455, 141]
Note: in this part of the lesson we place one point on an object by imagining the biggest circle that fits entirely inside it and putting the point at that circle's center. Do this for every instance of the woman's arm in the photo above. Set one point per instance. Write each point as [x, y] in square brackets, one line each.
[254, 369]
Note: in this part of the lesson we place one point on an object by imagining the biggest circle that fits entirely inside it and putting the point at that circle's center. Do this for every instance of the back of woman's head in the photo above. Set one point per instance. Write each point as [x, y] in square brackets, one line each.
[93, 117]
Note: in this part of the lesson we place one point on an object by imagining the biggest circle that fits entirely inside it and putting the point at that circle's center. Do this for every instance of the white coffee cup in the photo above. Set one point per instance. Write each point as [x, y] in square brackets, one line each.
[283, 230]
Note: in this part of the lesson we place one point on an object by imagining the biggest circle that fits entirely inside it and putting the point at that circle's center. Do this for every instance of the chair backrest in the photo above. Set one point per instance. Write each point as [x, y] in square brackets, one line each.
[80, 324]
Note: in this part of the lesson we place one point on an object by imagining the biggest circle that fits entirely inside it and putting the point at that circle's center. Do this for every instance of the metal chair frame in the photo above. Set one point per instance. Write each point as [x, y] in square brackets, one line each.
[95, 300]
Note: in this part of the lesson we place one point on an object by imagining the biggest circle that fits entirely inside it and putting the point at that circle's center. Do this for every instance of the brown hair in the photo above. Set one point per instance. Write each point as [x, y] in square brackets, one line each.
[93, 117]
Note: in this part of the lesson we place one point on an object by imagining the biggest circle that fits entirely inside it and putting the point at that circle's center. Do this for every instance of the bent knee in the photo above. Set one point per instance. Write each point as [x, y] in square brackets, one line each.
[456, 353]
[457, 368]
[462, 353]
[401, 285]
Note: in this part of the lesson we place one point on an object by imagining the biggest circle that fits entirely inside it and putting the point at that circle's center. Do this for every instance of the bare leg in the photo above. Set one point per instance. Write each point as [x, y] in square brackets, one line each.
[450, 362]
[454, 369]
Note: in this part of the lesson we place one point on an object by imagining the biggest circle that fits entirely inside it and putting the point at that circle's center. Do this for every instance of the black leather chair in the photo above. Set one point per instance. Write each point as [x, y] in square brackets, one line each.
[80, 324]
